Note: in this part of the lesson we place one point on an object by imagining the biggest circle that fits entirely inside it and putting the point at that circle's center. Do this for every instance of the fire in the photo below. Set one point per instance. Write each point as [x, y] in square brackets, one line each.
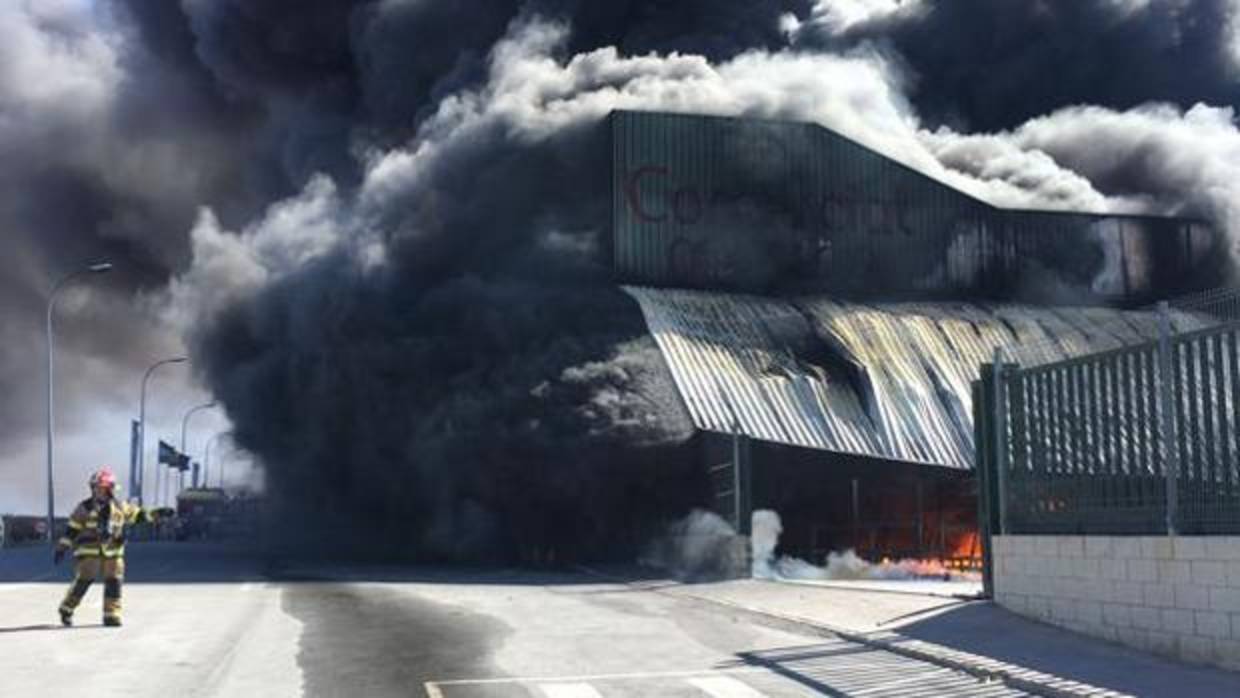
[963, 560]
[956, 568]
[968, 546]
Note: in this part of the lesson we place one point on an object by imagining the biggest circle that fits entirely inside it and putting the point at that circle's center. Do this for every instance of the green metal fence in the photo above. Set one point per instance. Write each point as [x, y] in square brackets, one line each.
[1139, 440]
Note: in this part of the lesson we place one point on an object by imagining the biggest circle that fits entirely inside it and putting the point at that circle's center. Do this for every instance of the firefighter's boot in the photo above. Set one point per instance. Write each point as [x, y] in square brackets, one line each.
[74, 597]
[112, 601]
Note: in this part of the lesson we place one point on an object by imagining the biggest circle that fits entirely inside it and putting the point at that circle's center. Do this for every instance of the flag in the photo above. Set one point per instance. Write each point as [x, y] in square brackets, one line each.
[167, 454]
[182, 463]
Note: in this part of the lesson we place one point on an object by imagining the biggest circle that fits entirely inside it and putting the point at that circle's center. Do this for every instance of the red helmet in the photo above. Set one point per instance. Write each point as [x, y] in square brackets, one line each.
[104, 478]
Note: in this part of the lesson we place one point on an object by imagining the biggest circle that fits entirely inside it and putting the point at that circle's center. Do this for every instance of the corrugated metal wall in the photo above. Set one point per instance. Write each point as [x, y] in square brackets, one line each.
[743, 204]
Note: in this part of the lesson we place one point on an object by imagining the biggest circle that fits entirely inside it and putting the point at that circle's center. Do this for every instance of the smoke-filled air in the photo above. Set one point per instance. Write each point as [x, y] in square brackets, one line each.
[379, 227]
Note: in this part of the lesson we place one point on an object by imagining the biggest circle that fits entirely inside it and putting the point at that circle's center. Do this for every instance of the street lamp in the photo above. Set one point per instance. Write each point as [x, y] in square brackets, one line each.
[184, 424]
[97, 268]
[206, 459]
[141, 465]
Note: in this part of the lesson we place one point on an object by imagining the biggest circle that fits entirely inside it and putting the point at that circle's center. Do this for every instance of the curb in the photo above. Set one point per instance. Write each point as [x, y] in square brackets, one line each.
[878, 590]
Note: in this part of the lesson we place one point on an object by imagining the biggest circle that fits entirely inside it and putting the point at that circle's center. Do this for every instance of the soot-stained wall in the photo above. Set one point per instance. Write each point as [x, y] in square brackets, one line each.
[731, 203]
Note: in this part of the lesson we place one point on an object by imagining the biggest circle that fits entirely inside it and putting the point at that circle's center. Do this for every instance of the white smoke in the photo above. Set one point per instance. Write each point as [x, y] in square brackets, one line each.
[230, 265]
[57, 69]
[764, 538]
[701, 545]
[1188, 160]
[1177, 159]
[532, 94]
[999, 170]
[836, 17]
[841, 565]
[1153, 158]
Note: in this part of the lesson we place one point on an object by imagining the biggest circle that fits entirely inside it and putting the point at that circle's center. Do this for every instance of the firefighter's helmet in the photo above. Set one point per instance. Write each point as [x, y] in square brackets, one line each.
[104, 478]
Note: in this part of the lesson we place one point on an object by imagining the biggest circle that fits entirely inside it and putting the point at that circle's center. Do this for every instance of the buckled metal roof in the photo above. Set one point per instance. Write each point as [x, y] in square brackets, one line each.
[891, 381]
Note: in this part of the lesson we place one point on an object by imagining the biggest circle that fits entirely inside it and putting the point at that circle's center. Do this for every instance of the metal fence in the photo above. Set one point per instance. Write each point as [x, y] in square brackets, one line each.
[1141, 439]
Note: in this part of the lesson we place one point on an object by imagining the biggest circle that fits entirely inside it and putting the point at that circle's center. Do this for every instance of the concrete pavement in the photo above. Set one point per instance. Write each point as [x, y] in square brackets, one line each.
[208, 621]
[213, 621]
[191, 629]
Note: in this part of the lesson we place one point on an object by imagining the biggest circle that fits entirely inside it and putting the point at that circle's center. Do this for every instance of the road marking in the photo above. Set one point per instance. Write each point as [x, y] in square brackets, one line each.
[725, 687]
[435, 688]
[569, 690]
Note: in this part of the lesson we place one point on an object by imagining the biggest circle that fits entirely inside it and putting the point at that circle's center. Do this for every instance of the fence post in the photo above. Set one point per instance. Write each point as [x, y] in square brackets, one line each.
[737, 523]
[999, 422]
[985, 490]
[1166, 415]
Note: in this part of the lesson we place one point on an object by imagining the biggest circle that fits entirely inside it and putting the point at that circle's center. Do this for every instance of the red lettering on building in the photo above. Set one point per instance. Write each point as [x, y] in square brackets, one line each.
[633, 193]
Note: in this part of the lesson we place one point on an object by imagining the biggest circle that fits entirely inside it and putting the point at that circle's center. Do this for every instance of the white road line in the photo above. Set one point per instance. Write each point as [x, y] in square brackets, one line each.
[638, 675]
[725, 687]
[569, 690]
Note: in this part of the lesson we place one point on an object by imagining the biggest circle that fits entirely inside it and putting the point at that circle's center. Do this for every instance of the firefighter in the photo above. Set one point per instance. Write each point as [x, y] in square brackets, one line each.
[96, 534]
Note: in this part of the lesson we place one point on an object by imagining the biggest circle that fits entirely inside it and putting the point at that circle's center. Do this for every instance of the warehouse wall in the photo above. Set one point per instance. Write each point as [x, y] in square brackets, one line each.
[748, 204]
[1179, 597]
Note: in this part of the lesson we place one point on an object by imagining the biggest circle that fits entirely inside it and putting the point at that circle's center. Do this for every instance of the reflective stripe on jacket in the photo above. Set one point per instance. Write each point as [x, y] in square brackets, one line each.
[97, 529]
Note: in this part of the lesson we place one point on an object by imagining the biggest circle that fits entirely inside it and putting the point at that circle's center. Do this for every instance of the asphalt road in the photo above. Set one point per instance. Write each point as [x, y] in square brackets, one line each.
[206, 621]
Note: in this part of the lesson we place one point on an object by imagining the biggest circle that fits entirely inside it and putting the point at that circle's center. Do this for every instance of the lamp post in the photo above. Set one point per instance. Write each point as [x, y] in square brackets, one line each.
[141, 466]
[206, 459]
[184, 424]
[97, 268]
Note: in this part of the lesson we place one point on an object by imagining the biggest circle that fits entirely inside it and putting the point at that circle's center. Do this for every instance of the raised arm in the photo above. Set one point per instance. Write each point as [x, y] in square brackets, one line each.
[135, 514]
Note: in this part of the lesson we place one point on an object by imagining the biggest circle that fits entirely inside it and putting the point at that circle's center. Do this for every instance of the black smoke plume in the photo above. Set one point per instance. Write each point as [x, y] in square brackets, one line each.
[382, 224]
[987, 65]
[488, 393]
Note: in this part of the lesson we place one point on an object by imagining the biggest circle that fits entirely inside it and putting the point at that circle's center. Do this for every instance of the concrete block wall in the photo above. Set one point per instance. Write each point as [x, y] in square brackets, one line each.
[1179, 597]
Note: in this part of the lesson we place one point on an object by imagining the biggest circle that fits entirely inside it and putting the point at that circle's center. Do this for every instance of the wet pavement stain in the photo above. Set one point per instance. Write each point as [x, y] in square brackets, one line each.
[366, 640]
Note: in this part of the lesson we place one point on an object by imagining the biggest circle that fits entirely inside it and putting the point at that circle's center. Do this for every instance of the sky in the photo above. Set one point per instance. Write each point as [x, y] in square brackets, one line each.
[373, 225]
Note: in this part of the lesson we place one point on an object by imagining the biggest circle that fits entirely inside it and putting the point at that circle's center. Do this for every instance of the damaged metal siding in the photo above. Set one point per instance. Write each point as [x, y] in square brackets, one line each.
[890, 381]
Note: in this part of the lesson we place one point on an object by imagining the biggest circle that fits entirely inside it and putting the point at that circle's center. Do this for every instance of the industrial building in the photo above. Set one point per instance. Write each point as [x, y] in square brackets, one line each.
[823, 310]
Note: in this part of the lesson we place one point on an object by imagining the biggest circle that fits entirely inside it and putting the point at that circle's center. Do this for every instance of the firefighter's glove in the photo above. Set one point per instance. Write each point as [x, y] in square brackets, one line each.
[58, 555]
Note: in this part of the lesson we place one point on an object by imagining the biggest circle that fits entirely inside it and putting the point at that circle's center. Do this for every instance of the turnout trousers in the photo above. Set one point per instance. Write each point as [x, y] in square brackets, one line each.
[85, 571]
